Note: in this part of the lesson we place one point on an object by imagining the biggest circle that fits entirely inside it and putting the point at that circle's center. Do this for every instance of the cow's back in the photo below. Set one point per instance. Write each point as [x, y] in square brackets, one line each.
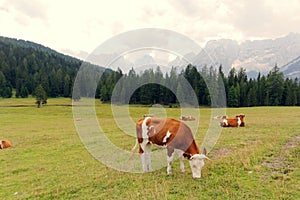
[166, 132]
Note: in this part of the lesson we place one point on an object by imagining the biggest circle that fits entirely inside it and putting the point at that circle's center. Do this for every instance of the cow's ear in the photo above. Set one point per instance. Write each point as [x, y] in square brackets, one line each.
[204, 151]
[188, 156]
[148, 122]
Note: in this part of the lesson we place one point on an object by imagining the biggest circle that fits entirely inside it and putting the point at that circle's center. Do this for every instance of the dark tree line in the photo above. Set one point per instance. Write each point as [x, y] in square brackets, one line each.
[270, 90]
[25, 66]
[266, 90]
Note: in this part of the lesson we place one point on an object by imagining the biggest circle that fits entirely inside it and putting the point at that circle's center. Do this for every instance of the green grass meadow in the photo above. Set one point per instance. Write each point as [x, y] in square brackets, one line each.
[49, 161]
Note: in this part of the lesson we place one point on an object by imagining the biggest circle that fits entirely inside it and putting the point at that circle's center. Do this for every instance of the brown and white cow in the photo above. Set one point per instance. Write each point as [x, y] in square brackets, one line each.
[4, 144]
[238, 121]
[187, 118]
[220, 117]
[173, 135]
[148, 115]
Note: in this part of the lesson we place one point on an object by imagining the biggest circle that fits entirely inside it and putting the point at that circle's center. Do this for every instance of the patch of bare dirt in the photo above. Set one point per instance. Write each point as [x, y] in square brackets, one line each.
[291, 144]
[222, 152]
[280, 163]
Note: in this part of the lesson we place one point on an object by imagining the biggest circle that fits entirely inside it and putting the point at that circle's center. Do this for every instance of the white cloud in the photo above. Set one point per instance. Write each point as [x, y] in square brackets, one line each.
[83, 25]
[34, 9]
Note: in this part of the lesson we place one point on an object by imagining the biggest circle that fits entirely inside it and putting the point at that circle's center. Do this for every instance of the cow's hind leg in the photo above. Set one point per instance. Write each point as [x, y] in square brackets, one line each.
[143, 162]
[148, 156]
[170, 160]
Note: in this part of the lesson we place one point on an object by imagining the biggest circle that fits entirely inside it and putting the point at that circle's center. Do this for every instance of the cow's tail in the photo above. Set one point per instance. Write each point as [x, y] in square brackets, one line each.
[133, 150]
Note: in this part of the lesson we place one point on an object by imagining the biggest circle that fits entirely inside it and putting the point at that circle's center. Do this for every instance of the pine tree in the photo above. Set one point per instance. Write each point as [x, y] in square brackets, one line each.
[104, 96]
[67, 86]
[40, 96]
[203, 94]
[252, 94]
[2, 83]
[180, 94]
[76, 93]
[232, 77]
[298, 92]
[232, 97]
[289, 95]
[5, 88]
[24, 92]
[275, 84]
[221, 98]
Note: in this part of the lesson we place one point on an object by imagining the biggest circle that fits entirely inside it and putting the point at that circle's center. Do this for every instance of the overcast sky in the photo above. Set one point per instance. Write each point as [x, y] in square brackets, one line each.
[68, 25]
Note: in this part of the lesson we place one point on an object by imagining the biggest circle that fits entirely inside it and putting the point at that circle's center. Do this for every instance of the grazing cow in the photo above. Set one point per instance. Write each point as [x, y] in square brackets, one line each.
[4, 144]
[173, 135]
[187, 118]
[238, 121]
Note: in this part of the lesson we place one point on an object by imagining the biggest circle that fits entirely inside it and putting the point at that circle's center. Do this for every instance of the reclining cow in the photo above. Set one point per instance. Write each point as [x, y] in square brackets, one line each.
[187, 118]
[238, 121]
[220, 117]
[4, 144]
[172, 134]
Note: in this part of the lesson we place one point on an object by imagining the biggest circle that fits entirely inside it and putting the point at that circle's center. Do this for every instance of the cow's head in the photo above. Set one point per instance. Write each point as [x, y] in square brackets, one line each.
[241, 116]
[197, 162]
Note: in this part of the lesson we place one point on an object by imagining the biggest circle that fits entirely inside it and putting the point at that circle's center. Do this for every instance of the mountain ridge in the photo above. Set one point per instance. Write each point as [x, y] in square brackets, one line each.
[253, 55]
[257, 55]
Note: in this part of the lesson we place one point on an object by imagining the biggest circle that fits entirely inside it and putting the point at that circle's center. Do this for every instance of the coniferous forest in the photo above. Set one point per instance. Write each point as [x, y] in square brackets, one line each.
[266, 90]
[24, 66]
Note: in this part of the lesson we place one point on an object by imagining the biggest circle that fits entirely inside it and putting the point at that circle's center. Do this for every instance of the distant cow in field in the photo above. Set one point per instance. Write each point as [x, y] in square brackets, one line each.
[187, 118]
[220, 117]
[4, 144]
[238, 121]
[148, 115]
[173, 135]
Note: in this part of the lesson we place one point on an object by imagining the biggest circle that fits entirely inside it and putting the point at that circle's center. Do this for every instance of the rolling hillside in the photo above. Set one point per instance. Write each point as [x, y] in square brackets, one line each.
[25, 64]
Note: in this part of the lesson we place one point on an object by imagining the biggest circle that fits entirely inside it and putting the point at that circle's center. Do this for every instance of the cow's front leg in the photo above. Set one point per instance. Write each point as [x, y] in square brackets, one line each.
[181, 159]
[170, 158]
